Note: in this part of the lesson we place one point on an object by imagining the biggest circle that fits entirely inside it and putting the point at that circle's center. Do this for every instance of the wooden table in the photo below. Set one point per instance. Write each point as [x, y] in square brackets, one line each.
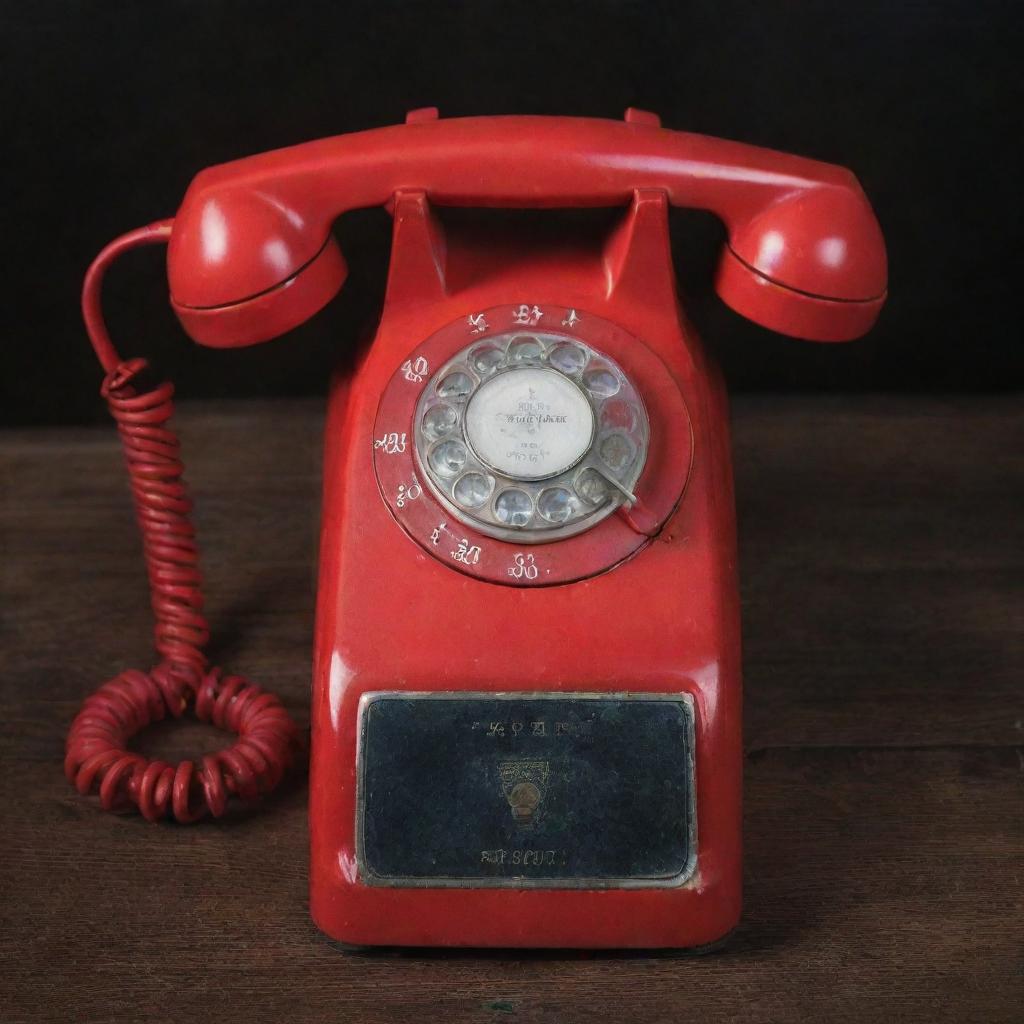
[882, 565]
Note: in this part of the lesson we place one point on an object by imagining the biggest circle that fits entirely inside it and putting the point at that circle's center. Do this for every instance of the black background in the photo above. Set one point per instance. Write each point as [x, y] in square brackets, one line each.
[112, 107]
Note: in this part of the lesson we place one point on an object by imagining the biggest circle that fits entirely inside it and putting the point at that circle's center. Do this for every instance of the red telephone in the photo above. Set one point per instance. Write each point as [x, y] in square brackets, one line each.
[526, 694]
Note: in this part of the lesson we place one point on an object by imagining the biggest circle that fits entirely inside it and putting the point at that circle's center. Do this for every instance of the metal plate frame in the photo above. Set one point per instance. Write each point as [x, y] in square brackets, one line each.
[367, 877]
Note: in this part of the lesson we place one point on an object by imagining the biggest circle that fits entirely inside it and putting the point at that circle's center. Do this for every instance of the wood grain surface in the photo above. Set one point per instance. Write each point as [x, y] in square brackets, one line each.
[882, 557]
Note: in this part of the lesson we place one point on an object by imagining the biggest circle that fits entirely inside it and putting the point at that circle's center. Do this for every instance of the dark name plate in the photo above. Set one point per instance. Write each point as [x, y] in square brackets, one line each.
[525, 789]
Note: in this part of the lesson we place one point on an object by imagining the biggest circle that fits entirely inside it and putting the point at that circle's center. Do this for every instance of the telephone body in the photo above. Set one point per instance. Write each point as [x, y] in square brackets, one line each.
[526, 703]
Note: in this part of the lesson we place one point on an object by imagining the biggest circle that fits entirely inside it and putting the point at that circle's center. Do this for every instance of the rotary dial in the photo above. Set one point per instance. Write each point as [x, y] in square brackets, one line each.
[531, 436]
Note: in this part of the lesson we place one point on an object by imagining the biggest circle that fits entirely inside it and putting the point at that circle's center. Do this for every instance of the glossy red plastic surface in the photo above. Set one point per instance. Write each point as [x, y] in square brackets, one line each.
[247, 227]
[392, 617]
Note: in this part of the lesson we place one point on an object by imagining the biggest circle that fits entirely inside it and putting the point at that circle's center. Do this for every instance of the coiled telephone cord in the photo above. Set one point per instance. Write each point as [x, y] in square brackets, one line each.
[97, 757]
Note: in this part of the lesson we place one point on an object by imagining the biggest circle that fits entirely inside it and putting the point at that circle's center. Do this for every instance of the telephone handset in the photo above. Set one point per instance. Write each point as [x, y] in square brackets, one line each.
[526, 695]
[252, 253]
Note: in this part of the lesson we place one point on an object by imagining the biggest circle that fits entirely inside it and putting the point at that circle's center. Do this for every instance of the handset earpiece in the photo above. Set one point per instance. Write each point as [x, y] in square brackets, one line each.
[811, 265]
[246, 268]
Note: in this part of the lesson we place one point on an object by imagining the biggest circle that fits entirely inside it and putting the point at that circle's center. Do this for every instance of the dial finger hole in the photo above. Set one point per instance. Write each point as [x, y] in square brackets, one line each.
[555, 504]
[601, 383]
[439, 420]
[472, 490]
[618, 414]
[456, 385]
[448, 458]
[525, 349]
[487, 359]
[617, 452]
[513, 507]
[591, 487]
[567, 358]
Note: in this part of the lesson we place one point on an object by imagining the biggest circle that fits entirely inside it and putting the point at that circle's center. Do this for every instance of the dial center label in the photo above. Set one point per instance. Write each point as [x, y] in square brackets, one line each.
[529, 423]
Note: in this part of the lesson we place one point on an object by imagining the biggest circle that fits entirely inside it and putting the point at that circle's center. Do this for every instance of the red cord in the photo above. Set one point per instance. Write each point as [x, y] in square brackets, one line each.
[96, 749]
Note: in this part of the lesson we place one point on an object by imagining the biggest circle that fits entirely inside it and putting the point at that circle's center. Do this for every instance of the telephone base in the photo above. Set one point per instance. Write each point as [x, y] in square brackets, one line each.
[523, 741]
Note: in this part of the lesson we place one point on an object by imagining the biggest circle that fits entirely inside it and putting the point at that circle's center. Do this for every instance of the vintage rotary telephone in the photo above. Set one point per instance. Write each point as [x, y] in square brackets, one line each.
[526, 695]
